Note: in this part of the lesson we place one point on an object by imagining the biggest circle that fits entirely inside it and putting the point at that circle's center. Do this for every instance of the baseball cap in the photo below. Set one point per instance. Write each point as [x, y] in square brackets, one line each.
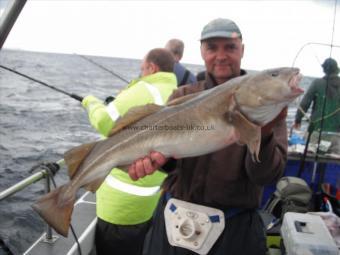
[224, 28]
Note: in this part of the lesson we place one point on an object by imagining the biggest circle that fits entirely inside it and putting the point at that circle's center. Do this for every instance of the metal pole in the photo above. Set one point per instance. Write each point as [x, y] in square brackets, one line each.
[22, 184]
[26, 182]
[9, 17]
[48, 236]
[303, 160]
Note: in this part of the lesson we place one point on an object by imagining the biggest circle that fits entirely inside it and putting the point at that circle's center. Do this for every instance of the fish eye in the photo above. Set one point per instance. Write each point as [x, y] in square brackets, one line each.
[275, 74]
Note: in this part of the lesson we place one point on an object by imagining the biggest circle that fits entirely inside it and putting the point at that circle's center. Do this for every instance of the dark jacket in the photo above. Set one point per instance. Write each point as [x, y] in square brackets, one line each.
[228, 178]
[315, 94]
[183, 75]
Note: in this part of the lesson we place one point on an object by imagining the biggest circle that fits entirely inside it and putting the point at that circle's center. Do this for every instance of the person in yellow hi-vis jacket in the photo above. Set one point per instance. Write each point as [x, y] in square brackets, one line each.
[124, 206]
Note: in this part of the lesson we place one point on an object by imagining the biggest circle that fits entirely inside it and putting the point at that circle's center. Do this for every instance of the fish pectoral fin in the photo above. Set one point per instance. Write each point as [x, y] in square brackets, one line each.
[56, 208]
[182, 99]
[250, 133]
[75, 156]
[135, 114]
[95, 184]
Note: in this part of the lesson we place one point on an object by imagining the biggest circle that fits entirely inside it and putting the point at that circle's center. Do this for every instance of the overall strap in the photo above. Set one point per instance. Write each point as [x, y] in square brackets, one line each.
[185, 77]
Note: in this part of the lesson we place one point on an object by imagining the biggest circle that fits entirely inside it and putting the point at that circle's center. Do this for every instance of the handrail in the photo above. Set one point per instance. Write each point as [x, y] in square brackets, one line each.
[26, 182]
[22, 184]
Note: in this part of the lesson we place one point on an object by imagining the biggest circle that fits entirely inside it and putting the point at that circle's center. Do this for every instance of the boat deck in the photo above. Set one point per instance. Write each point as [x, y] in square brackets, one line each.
[83, 221]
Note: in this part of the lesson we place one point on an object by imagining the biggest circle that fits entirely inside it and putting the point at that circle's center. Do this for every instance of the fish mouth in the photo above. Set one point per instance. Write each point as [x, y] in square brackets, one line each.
[293, 83]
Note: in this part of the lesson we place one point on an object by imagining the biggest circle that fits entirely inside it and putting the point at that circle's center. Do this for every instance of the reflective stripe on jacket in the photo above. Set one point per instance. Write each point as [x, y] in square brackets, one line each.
[120, 200]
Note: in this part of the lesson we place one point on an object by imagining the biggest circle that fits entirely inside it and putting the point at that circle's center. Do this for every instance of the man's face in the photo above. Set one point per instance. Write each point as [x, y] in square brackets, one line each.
[222, 57]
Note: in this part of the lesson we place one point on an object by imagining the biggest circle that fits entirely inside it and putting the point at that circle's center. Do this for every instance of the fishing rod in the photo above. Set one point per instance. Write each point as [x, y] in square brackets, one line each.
[102, 67]
[74, 96]
[313, 43]
[109, 99]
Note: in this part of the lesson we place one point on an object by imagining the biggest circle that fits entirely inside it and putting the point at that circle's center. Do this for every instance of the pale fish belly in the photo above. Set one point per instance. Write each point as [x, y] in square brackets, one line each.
[263, 114]
[196, 142]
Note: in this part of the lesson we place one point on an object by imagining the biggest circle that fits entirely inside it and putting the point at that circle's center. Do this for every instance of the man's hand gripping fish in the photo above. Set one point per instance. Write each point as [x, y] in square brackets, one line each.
[234, 111]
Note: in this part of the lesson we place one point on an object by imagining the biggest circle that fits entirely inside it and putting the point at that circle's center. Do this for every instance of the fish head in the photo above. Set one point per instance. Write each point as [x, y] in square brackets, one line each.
[262, 96]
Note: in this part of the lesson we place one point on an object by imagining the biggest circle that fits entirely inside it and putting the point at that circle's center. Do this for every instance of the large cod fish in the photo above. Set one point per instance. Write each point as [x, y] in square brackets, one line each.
[192, 125]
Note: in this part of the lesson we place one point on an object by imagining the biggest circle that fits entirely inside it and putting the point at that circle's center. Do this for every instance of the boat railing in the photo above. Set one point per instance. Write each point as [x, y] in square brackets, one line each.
[44, 171]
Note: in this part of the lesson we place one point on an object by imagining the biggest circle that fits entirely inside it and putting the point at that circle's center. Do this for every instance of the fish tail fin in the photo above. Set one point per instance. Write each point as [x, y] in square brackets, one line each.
[56, 208]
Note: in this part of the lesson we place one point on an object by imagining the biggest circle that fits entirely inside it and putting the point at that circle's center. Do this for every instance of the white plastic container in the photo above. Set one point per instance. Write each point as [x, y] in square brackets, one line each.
[306, 234]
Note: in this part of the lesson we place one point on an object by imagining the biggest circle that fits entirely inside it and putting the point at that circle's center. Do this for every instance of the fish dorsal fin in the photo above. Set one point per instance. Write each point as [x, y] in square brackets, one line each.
[182, 99]
[250, 133]
[74, 157]
[135, 114]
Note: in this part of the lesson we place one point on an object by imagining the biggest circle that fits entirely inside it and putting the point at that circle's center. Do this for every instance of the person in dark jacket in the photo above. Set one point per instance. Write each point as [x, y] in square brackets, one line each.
[226, 181]
[318, 95]
[183, 75]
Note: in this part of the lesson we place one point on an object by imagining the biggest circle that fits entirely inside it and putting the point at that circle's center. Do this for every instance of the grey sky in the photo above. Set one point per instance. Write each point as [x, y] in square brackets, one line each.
[273, 31]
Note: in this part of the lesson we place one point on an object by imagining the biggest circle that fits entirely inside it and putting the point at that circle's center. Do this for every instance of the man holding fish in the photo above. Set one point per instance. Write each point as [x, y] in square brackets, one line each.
[211, 196]
[227, 180]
